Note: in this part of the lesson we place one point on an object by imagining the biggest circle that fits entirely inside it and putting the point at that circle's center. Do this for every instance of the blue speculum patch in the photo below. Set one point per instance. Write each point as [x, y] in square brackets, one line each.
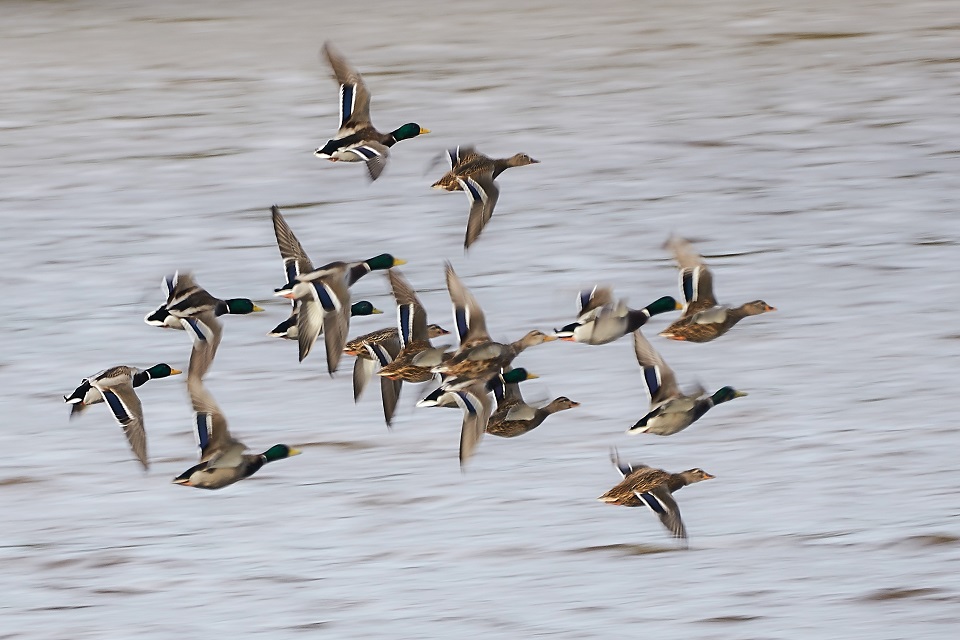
[652, 502]
[325, 300]
[203, 431]
[652, 379]
[460, 315]
[687, 280]
[116, 406]
[406, 312]
[346, 102]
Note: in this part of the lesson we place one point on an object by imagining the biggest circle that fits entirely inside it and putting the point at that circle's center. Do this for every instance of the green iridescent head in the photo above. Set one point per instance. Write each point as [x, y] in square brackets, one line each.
[363, 308]
[161, 370]
[407, 131]
[279, 452]
[725, 394]
[518, 375]
[384, 261]
[241, 306]
[663, 305]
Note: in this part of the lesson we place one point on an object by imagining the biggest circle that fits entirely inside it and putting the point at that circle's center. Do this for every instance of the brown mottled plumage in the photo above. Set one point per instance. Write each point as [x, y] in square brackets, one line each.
[703, 319]
[653, 488]
[476, 174]
[514, 417]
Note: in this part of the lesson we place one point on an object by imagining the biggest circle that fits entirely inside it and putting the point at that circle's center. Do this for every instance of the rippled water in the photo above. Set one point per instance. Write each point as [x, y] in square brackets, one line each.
[810, 151]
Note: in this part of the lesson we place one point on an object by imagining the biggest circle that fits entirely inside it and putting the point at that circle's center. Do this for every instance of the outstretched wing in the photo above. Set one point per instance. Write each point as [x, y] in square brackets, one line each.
[354, 97]
[126, 408]
[483, 193]
[659, 378]
[467, 314]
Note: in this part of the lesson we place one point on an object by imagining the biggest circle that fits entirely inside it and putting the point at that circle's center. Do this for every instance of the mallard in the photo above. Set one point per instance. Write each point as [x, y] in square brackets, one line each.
[441, 397]
[376, 349]
[222, 458]
[670, 410]
[413, 332]
[703, 319]
[600, 320]
[116, 386]
[653, 488]
[295, 262]
[475, 174]
[186, 300]
[322, 295]
[514, 417]
[478, 357]
[288, 328]
[357, 140]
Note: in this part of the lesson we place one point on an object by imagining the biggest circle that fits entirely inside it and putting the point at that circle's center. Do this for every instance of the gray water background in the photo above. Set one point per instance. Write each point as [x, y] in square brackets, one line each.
[810, 151]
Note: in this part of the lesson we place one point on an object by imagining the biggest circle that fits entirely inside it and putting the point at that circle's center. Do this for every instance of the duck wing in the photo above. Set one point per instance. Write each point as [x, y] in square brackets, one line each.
[467, 314]
[659, 378]
[354, 96]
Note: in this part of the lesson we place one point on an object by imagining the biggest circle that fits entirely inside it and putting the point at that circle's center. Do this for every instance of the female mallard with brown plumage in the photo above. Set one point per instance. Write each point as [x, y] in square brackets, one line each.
[478, 357]
[513, 416]
[357, 139]
[653, 488]
[703, 319]
[475, 174]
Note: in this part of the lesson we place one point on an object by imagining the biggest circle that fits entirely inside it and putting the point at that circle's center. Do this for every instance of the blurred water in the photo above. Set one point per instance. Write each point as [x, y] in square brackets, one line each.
[809, 150]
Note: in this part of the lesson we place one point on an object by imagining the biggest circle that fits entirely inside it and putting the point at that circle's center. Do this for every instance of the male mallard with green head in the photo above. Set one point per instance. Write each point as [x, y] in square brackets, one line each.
[600, 320]
[357, 140]
[186, 301]
[223, 460]
[670, 410]
[115, 386]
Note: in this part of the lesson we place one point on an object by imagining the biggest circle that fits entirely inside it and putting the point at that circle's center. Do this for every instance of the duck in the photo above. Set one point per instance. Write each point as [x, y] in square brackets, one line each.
[295, 262]
[115, 386]
[514, 417]
[186, 300]
[380, 348]
[670, 410]
[441, 397]
[357, 140]
[703, 319]
[413, 333]
[322, 296]
[288, 328]
[600, 320]
[478, 357]
[223, 459]
[474, 173]
[653, 488]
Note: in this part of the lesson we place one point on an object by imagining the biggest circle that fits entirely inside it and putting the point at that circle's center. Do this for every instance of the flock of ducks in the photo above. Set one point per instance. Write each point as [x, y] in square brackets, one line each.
[478, 376]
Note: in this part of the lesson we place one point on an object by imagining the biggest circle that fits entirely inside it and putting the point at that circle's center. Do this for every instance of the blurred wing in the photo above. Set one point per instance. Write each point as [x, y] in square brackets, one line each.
[411, 315]
[467, 314]
[372, 153]
[295, 259]
[126, 408]
[206, 332]
[336, 326]
[662, 503]
[354, 97]
[625, 468]
[592, 299]
[476, 407]
[659, 378]
[483, 193]
[212, 433]
[389, 394]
